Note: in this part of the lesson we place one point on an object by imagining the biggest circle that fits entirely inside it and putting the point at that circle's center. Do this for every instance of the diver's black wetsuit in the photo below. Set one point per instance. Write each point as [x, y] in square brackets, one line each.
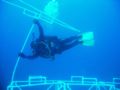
[48, 46]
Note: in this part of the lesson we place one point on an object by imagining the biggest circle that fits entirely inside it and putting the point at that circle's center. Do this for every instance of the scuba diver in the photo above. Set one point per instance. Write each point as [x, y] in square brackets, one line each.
[49, 46]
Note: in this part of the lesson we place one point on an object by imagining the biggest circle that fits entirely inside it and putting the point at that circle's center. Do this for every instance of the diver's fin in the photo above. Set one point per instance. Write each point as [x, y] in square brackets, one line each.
[88, 42]
[87, 39]
[87, 36]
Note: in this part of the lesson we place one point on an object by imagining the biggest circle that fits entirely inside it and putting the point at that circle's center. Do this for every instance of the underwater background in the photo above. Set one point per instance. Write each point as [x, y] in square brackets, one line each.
[101, 61]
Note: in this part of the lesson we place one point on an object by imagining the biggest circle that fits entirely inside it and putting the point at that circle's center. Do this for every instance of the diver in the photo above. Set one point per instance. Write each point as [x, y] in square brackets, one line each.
[49, 46]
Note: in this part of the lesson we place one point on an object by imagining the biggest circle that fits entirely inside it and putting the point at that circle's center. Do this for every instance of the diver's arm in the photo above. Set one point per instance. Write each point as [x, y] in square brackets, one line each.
[41, 33]
[27, 56]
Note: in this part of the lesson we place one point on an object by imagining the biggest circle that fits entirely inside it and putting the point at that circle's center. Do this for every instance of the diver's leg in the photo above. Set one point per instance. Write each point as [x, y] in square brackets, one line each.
[67, 44]
[71, 45]
[71, 39]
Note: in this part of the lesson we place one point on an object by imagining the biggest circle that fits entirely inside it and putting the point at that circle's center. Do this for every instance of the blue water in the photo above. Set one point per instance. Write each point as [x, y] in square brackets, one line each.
[101, 61]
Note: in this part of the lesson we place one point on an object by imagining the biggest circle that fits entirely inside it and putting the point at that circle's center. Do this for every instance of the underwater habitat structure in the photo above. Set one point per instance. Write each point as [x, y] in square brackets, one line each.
[35, 82]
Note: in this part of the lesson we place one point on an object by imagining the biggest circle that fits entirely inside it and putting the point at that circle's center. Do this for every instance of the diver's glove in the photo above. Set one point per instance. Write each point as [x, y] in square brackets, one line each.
[36, 21]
